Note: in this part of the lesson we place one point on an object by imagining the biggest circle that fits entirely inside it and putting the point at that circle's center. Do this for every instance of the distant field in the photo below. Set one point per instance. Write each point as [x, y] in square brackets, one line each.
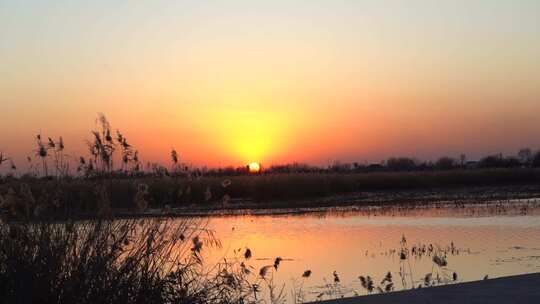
[71, 195]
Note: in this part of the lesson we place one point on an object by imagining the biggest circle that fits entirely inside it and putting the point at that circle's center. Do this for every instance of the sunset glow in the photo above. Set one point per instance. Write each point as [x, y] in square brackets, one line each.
[277, 82]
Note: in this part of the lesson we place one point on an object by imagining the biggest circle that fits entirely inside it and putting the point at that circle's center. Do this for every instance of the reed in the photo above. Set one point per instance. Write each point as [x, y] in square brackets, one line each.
[123, 261]
[42, 152]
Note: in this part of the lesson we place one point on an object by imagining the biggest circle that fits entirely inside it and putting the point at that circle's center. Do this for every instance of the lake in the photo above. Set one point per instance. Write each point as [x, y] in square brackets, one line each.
[493, 239]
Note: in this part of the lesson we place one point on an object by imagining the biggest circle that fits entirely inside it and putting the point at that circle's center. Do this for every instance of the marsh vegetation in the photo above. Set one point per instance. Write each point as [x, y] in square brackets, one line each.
[125, 261]
[112, 178]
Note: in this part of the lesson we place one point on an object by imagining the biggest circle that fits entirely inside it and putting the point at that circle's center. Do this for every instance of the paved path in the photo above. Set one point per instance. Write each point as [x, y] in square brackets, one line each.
[514, 289]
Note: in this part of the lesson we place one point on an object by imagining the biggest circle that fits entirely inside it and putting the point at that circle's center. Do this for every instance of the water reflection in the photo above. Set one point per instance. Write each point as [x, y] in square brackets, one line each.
[493, 240]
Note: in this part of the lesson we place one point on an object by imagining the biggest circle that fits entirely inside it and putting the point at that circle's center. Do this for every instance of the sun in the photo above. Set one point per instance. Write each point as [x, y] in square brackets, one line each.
[254, 167]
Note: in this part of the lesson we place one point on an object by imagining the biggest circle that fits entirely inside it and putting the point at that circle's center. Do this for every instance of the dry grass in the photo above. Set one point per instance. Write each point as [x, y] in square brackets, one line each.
[68, 197]
[124, 261]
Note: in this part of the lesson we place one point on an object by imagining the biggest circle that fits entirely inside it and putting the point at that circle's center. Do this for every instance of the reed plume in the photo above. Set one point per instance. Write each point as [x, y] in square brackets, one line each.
[42, 152]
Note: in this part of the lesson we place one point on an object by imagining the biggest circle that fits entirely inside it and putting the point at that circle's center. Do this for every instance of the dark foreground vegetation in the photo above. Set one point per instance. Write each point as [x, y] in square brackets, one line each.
[145, 261]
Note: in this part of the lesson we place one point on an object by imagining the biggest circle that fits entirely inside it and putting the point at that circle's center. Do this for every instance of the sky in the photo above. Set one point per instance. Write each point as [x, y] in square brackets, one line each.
[231, 82]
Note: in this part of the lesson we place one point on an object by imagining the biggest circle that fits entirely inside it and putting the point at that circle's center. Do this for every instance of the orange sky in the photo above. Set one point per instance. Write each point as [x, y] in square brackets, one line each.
[314, 81]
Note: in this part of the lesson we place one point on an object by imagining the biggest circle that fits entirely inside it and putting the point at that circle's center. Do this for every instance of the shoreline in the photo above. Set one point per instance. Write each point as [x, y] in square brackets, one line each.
[370, 202]
[512, 289]
[357, 202]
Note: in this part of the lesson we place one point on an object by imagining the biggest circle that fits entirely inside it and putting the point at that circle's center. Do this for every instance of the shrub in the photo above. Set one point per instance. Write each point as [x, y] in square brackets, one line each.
[401, 164]
[445, 163]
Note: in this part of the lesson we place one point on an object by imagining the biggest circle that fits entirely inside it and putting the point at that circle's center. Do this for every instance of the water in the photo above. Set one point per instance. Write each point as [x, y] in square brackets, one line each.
[493, 241]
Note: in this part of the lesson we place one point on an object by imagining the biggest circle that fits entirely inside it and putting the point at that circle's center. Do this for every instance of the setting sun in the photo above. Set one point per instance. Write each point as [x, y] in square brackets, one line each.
[254, 167]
